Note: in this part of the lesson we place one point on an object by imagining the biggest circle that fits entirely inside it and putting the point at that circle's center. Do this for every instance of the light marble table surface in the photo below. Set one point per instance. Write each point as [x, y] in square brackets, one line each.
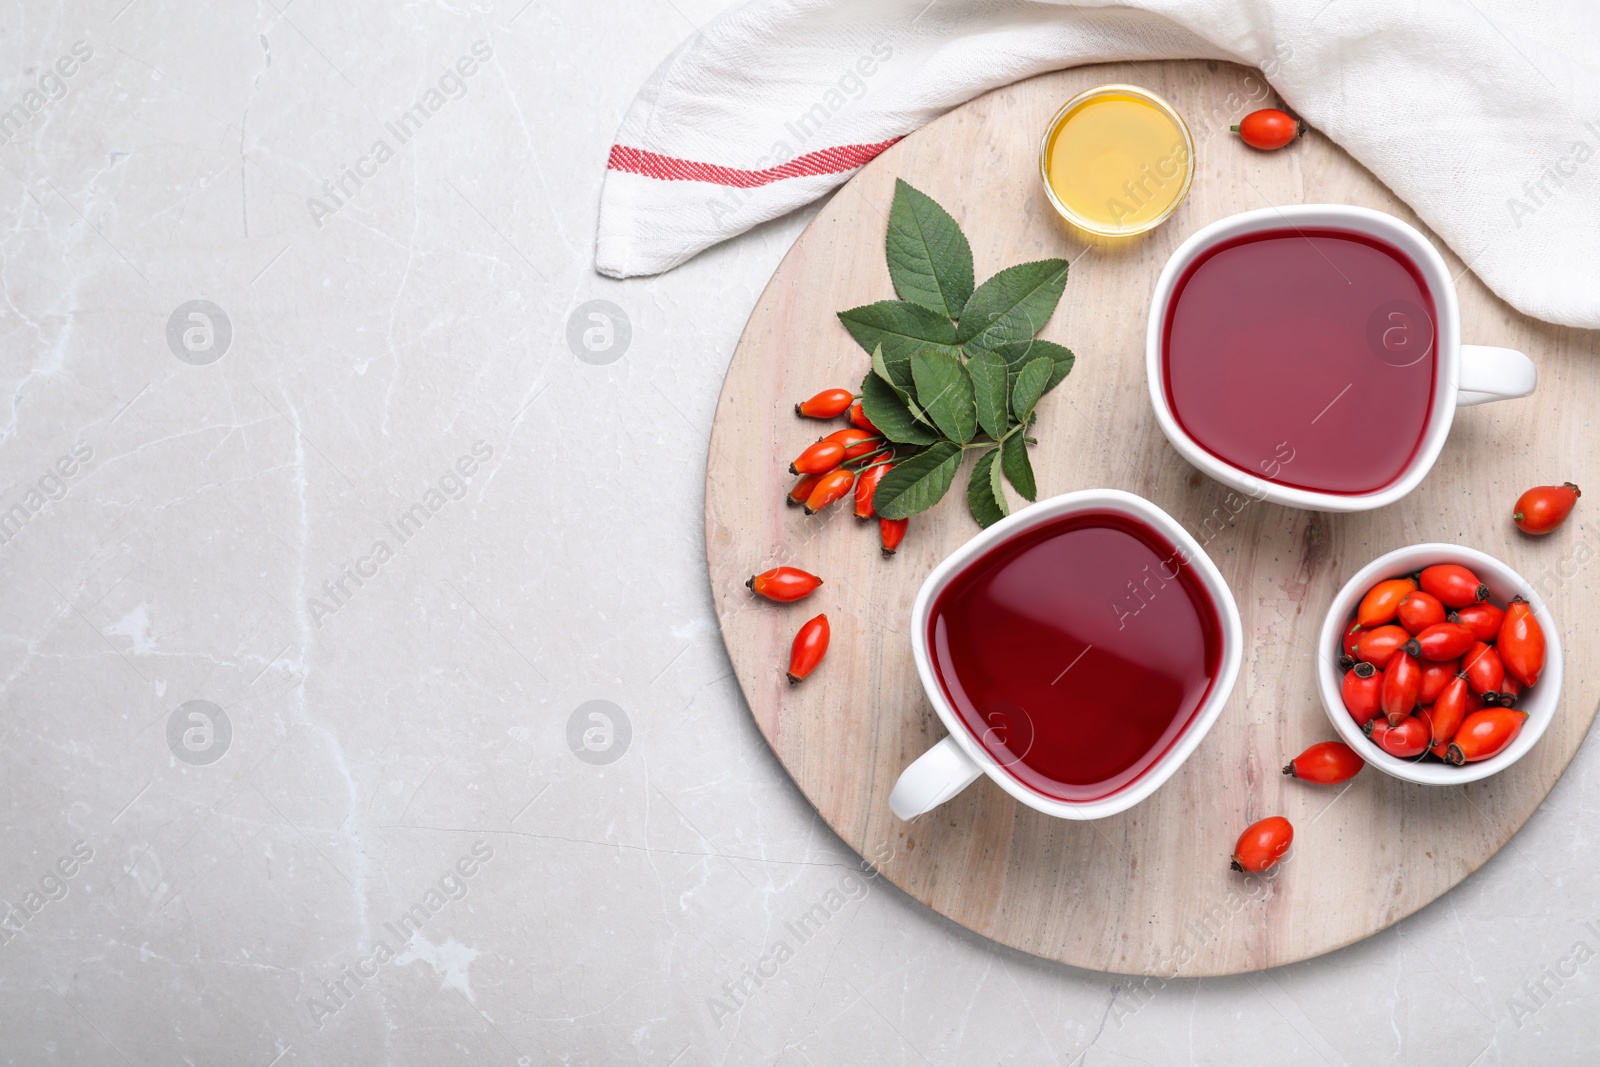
[310, 587]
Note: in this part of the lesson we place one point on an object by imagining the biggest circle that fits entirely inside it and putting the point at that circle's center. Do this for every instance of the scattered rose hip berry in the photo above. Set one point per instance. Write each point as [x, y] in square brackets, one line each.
[858, 419]
[891, 532]
[810, 645]
[1268, 128]
[829, 488]
[856, 442]
[867, 484]
[1262, 844]
[1543, 508]
[819, 458]
[784, 584]
[1326, 763]
[802, 488]
[828, 404]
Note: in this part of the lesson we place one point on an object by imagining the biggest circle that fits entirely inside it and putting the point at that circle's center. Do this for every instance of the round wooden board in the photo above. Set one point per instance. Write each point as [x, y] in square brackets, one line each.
[1147, 891]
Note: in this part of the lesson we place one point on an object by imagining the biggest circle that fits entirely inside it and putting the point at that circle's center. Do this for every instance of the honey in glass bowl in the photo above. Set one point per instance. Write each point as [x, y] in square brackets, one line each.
[1116, 160]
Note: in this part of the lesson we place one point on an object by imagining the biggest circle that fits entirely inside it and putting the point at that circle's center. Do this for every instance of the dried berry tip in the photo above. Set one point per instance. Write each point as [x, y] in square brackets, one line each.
[1288, 768]
[1368, 673]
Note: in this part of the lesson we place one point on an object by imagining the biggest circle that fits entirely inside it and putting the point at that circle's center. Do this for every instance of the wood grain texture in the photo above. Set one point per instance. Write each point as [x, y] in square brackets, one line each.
[1147, 891]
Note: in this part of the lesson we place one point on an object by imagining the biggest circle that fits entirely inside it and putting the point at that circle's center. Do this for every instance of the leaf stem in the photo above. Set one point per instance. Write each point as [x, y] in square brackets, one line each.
[869, 466]
[1008, 433]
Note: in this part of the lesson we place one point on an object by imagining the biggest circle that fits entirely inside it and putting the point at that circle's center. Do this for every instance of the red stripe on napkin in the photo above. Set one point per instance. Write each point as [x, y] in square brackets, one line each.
[670, 169]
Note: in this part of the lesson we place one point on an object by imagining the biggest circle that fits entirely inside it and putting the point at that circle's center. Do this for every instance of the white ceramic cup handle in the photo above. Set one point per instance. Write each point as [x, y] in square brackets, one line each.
[936, 776]
[1494, 374]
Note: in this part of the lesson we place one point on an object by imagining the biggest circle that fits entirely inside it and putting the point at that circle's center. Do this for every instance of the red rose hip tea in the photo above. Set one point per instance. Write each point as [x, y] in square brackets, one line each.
[1077, 652]
[1305, 357]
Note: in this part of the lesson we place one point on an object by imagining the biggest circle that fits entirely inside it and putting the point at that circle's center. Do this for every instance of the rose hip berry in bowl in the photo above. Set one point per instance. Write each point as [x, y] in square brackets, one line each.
[1410, 675]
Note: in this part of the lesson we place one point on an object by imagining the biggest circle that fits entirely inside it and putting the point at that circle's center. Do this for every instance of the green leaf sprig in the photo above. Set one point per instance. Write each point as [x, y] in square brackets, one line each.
[955, 369]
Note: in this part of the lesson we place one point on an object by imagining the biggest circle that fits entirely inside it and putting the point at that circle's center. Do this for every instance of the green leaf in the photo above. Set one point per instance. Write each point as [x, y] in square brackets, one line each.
[1014, 304]
[990, 388]
[1029, 387]
[881, 402]
[898, 377]
[945, 392]
[930, 260]
[918, 483]
[985, 498]
[997, 486]
[891, 375]
[900, 328]
[1018, 468]
[1018, 353]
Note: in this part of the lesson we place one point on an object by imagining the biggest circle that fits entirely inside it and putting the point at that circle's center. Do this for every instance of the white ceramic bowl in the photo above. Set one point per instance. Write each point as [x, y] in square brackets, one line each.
[1504, 583]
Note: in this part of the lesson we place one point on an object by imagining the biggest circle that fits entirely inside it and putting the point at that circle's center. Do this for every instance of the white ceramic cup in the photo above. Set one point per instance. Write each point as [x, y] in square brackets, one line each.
[955, 763]
[1504, 583]
[1466, 374]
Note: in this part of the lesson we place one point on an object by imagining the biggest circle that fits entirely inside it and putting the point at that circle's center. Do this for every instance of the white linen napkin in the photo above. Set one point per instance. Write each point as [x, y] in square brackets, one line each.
[1483, 115]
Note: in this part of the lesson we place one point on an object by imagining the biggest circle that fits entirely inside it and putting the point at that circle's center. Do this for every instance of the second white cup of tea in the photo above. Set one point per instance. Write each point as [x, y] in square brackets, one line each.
[1464, 374]
[960, 759]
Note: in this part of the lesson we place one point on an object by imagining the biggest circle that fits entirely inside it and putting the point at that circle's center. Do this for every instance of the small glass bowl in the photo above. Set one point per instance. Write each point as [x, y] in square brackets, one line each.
[1096, 227]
